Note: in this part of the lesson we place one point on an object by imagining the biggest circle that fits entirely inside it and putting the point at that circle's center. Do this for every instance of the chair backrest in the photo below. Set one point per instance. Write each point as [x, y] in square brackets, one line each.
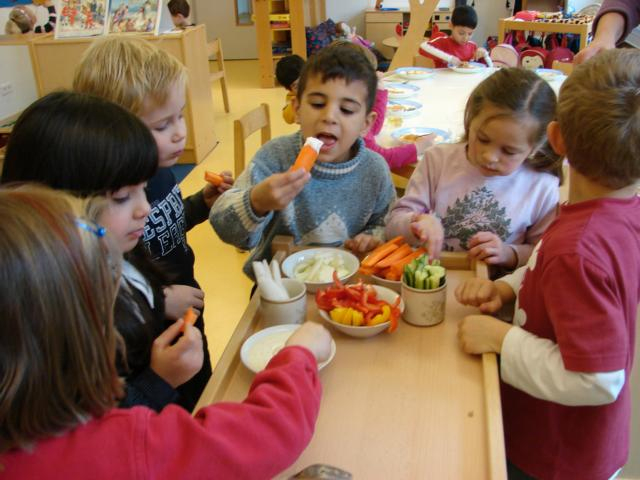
[564, 67]
[422, 61]
[421, 12]
[256, 119]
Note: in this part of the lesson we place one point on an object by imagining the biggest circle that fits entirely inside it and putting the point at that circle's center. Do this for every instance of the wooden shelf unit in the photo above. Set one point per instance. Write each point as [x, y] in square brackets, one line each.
[582, 29]
[292, 37]
[54, 62]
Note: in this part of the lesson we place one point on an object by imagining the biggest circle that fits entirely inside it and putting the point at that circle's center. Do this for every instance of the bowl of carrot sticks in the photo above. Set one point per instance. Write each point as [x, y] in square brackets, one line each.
[385, 264]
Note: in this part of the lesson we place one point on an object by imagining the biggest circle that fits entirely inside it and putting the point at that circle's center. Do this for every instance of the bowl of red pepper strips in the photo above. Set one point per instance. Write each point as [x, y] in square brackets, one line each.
[359, 310]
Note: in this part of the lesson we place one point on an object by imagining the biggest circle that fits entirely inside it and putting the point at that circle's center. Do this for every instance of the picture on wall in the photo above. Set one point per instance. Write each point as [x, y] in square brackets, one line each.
[81, 18]
[134, 16]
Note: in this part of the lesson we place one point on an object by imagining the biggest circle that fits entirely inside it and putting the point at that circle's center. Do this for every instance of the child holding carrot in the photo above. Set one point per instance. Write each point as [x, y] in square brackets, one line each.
[58, 381]
[347, 192]
[496, 193]
[566, 360]
[89, 146]
[151, 84]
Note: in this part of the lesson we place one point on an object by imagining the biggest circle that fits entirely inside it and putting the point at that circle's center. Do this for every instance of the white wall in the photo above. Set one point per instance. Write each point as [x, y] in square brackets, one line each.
[17, 84]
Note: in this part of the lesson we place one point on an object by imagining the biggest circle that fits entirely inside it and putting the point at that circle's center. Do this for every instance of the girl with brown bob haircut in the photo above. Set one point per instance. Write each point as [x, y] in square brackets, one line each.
[59, 384]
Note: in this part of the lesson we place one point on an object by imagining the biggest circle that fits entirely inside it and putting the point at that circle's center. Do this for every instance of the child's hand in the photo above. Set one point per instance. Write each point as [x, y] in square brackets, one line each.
[455, 61]
[177, 363]
[491, 249]
[424, 142]
[277, 191]
[482, 334]
[481, 293]
[210, 193]
[480, 53]
[361, 243]
[428, 230]
[177, 298]
[313, 336]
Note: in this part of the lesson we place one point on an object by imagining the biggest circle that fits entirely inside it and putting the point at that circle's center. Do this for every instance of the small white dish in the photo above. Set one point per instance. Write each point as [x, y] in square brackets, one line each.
[403, 108]
[468, 67]
[261, 347]
[383, 293]
[410, 134]
[549, 74]
[401, 90]
[349, 260]
[414, 73]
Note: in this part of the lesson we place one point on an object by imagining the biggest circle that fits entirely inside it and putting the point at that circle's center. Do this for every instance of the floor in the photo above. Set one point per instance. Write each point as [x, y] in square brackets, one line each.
[218, 265]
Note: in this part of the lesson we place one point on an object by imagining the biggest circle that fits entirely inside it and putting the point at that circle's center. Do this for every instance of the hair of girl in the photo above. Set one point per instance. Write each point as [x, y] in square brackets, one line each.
[520, 93]
[80, 143]
[58, 284]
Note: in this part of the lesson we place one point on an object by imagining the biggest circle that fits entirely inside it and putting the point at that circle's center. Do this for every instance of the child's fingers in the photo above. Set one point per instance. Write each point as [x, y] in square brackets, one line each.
[492, 306]
[165, 338]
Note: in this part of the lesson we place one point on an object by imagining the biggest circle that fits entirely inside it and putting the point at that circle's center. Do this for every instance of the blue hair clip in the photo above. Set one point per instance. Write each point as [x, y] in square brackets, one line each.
[96, 229]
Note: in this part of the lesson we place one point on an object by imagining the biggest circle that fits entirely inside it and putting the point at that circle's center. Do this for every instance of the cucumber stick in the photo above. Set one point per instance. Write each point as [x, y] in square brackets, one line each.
[423, 275]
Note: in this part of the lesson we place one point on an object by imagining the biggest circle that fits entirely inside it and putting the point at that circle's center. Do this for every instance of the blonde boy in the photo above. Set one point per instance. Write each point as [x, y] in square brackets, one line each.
[151, 84]
[566, 360]
[347, 194]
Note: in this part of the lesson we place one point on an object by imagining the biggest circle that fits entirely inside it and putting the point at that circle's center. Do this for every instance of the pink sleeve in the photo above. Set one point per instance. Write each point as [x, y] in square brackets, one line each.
[629, 9]
[415, 200]
[396, 157]
[379, 107]
[257, 438]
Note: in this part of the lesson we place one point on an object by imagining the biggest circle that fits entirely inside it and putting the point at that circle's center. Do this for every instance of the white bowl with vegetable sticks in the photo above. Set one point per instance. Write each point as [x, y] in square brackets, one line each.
[315, 266]
[424, 291]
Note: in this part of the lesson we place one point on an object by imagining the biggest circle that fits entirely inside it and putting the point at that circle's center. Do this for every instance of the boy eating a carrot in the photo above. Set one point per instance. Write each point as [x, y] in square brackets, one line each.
[345, 195]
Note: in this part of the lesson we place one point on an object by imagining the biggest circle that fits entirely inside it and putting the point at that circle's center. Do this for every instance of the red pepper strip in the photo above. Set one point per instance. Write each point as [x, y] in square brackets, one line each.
[396, 304]
[394, 322]
[336, 280]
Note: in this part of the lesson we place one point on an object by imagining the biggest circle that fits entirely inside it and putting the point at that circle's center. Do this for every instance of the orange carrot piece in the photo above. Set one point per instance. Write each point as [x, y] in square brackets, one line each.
[189, 317]
[308, 155]
[367, 270]
[213, 178]
[394, 241]
[401, 252]
[398, 266]
[374, 257]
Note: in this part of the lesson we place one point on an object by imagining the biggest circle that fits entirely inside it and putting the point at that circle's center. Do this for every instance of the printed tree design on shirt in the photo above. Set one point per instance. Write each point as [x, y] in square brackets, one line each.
[477, 211]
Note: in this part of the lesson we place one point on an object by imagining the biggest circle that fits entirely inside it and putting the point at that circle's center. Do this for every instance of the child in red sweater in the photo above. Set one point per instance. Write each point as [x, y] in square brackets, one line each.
[59, 384]
[458, 47]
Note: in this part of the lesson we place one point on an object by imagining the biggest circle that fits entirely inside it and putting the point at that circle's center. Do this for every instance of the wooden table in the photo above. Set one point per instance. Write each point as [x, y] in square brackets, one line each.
[405, 405]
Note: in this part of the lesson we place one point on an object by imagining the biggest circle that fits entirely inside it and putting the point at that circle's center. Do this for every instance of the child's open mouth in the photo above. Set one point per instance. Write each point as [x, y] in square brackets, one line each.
[327, 139]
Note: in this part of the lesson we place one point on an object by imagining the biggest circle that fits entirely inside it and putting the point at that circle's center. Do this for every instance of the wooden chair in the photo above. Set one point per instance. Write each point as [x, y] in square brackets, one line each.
[256, 119]
[214, 49]
[421, 12]
[422, 61]
[564, 67]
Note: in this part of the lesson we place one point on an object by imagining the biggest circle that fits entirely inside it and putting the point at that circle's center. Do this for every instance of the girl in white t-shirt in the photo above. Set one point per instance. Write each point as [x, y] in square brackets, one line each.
[495, 193]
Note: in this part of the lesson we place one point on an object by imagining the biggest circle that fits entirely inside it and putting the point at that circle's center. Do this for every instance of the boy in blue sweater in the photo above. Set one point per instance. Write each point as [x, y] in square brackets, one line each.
[347, 194]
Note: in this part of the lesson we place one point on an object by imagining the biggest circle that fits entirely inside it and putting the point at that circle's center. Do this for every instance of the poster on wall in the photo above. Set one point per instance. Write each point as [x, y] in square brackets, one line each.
[81, 18]
[134, 16]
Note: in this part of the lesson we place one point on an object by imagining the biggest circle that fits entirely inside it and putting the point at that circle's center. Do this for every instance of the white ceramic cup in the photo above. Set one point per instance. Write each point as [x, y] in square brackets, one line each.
[423, 307]
[292, 310]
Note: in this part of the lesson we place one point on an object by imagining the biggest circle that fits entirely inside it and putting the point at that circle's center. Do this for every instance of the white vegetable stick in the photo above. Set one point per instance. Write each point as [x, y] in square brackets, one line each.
[275, 269]
[268, 287]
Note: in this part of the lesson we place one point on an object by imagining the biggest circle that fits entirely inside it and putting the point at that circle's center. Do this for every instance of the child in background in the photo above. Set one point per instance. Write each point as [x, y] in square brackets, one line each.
[180, 10]
[565, 362]
[348, 191]
[151, 84]
[401, 155]
[458, 47]
[58, 380]
[496, 193]
[287, 73]
[89, 146]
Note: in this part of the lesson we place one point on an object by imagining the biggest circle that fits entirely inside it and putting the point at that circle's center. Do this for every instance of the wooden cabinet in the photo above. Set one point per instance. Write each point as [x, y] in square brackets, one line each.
[54, 62]
[508, 24]
[280, 32]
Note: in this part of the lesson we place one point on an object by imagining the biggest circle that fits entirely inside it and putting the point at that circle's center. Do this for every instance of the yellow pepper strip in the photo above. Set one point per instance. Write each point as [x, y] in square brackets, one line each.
[357, 319]
[337, 314]
[381, 317]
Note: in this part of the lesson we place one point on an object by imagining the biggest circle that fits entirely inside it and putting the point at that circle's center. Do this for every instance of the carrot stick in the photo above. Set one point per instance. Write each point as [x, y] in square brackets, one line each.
[394, 241]
[402, 251]
[398, 266]
[367, 270]
[373, 258]
[213, 178]
[308, 155]
[189, 317]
